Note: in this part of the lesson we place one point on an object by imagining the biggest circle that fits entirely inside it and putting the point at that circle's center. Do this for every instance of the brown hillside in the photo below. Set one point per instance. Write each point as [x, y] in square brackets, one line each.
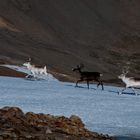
[104, 35]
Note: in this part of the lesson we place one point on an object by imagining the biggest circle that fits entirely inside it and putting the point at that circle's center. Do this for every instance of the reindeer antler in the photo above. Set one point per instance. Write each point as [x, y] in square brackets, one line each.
[125, 70]
[29, 59]
[81, 65]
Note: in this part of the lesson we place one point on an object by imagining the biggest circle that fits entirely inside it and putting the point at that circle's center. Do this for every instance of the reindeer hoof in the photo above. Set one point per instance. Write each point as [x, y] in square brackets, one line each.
[119, 93]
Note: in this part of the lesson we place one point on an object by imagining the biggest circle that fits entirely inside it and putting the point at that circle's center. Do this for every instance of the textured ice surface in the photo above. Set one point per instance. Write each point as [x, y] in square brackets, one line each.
[102, 111]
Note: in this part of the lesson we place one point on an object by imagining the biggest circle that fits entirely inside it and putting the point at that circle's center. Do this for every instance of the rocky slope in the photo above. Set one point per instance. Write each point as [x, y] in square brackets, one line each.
[16, 125]
[9, 72]
[104, 35]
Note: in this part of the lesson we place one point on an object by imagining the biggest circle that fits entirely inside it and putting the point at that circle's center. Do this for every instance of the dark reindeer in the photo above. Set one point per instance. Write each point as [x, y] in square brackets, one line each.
[88, 76]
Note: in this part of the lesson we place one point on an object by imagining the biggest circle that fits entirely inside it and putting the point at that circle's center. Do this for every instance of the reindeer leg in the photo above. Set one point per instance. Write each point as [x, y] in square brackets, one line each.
[33, 73]
[134, 91]
[88, 84]
[100, 83]
[78, 82]
[122, 90]
[27, 76]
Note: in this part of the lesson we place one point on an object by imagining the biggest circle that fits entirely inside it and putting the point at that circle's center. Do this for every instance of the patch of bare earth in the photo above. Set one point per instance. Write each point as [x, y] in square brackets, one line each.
[4, 71]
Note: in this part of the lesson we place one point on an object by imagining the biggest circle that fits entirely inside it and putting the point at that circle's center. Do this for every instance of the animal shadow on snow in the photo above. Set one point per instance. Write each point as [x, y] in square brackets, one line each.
[82, 87]
[130, 93]
[111, 91]
[32, 78]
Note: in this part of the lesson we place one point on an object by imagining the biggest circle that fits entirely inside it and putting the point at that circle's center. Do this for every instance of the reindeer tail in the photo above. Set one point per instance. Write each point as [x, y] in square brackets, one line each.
[45, 70]
[101, 74]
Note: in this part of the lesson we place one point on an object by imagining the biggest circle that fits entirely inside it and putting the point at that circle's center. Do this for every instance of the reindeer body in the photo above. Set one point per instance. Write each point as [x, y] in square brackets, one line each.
[88, 76]
[35, 70]
[130, 82]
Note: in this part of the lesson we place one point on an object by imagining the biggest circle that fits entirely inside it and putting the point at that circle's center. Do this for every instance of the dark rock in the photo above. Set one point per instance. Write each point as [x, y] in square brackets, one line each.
[15, 125]
[11, 112]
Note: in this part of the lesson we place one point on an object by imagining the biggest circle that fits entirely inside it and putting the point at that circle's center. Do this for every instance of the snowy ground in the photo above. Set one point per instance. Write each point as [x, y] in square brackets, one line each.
[101, 111]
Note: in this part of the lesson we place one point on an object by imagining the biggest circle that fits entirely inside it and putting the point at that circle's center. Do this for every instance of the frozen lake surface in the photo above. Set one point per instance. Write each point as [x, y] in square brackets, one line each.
[101, 111]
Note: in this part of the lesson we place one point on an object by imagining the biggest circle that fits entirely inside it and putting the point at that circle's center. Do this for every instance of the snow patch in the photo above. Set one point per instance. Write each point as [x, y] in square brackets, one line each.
[23, 69]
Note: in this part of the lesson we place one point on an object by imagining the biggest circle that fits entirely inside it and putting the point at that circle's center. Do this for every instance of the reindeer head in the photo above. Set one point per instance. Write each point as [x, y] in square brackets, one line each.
[124, 72]
[27, 64]
[78, 68]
